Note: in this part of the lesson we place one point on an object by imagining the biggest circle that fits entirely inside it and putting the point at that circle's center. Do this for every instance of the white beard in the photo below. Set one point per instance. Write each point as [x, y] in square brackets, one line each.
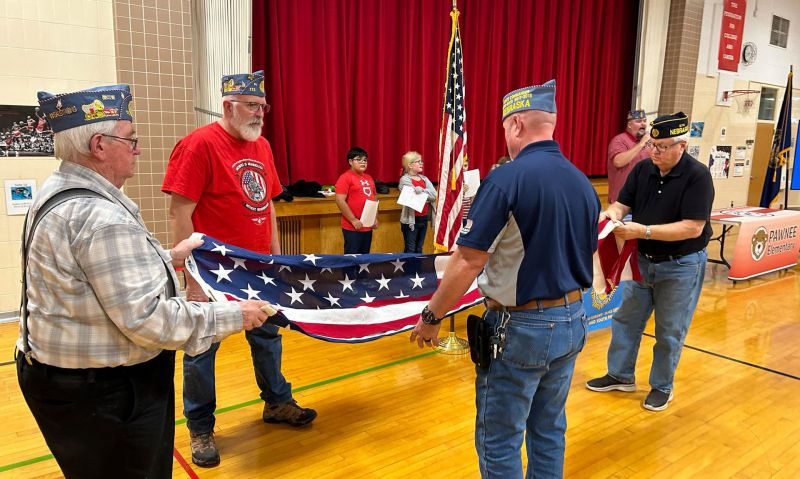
[250, 131]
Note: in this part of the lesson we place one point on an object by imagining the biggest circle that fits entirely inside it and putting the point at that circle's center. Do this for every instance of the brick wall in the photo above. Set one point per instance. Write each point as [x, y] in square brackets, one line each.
[154, 55]
[680, 60]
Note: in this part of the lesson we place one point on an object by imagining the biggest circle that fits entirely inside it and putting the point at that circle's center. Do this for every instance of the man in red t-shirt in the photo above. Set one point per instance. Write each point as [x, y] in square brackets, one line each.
[353, 188]
[625, 150]
[222, 180]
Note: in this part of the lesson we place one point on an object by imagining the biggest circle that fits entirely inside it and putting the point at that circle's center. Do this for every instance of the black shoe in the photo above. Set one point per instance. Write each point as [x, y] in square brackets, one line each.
[609, 383]
[657, 400]
[204, 449]
[288, 413]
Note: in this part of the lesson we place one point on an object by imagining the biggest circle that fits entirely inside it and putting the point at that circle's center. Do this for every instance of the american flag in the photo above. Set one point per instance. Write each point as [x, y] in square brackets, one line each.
[349, 298]
[452, 149]
[613, 263]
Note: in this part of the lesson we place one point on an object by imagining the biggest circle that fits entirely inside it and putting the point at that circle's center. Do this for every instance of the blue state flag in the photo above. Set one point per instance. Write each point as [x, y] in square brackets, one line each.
[795, 170]
[781, 144]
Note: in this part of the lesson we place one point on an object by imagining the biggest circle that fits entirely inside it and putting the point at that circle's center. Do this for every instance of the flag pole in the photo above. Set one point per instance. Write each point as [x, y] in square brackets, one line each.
[789, 125]
[452, 344]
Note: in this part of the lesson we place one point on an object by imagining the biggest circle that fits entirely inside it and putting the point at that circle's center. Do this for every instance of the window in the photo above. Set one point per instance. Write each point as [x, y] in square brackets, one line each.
[766, 104]
[780, 31]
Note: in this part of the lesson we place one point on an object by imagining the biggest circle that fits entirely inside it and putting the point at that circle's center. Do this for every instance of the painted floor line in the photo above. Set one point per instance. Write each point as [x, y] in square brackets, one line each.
[740, 361]
[324, 382]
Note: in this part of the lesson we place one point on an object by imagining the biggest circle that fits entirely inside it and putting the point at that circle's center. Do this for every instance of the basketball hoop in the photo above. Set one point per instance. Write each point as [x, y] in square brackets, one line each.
[745, 99]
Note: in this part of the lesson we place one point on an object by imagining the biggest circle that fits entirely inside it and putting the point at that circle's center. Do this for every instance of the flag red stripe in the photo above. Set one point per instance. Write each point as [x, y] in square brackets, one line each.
[350, 331]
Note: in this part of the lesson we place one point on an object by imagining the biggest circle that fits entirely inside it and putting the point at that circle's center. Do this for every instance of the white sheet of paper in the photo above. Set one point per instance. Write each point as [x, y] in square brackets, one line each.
[369, 213]
[473, 179]
[413, 200]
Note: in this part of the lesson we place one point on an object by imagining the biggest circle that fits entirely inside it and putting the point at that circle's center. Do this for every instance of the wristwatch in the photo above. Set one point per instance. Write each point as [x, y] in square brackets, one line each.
[428, 317]
[647, 232]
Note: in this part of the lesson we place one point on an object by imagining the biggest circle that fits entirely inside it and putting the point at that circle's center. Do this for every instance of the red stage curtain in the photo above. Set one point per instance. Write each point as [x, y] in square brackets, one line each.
[371, 73]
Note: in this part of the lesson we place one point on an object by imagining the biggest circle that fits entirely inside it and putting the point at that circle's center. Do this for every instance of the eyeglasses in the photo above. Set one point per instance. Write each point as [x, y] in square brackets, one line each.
[253, 106]
[134, 141]
[360, 159]
[417, 162]
[660, 148]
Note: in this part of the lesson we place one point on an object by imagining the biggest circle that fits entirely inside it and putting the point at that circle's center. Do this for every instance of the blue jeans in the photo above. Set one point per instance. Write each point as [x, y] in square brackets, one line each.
[672, 288]
[524, 392]
[414, 240]
[199, 389]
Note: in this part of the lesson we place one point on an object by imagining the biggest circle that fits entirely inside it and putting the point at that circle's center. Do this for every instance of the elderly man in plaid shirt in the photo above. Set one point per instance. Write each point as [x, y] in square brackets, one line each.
[99, 318]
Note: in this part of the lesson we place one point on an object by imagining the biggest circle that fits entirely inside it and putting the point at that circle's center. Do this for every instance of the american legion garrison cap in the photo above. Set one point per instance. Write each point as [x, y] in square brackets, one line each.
[102, 103]
[637, 115]
[536, 97]
[669, 126]
[244, 84]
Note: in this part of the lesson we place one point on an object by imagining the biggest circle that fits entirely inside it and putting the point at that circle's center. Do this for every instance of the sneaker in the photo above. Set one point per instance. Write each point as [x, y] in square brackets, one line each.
[657, 400]
[204, 449]
[610, 383]
[288, 413]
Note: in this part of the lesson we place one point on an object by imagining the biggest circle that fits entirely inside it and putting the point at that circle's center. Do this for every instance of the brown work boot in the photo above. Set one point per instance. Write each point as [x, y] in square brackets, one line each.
[288, 413]
[204, 449]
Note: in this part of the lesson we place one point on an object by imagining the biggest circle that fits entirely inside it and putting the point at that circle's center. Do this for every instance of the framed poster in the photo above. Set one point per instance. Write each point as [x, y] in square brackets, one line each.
[719, 161]
[19, 196]
[697, 129]
[24, 131]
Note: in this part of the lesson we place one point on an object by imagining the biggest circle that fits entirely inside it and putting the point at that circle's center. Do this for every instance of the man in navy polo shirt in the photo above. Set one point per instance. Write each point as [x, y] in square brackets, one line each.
[530, 233]
[670, 196]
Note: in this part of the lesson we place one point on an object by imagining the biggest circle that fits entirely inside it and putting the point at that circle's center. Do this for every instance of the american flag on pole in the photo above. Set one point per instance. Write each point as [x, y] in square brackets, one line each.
[349, 298]
[452, 146]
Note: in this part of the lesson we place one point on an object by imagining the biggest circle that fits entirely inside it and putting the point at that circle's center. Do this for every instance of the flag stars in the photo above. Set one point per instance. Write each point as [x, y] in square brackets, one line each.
[308, 283]
[401, 295]
[222, 249]
[332, 300]
[312, 258]
[347, 283]
[284, 267]
[251, 293]
[266, 279]
[367, 298]
[398, 265]
[383, 282]
[239, 263]
[295, 295]
[222, 273]
[417, 280]
[363, 267]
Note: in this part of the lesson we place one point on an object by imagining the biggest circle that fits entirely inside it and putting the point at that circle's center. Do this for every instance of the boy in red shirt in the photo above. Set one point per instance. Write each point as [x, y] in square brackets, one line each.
[353, 188]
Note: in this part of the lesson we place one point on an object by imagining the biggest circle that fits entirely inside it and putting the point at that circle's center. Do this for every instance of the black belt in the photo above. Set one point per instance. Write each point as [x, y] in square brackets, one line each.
[92, 374]
[660, 258]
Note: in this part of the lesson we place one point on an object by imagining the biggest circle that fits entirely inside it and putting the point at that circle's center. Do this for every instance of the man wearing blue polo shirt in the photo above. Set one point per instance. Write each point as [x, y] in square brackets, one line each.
[530, 234]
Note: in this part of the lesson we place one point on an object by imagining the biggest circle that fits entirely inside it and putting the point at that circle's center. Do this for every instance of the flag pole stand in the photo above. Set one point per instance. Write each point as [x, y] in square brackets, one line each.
[452, 344]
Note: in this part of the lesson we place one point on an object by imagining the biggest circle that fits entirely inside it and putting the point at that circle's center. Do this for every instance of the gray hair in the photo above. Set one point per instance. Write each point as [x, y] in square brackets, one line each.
[73, 144]
[680, 138]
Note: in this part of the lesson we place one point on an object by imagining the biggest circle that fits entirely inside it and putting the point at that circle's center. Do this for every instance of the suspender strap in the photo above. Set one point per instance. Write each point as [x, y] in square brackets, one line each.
[52, 202]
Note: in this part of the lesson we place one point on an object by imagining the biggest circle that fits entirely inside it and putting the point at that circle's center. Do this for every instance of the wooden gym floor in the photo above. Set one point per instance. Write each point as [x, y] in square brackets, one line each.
[389, 410]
